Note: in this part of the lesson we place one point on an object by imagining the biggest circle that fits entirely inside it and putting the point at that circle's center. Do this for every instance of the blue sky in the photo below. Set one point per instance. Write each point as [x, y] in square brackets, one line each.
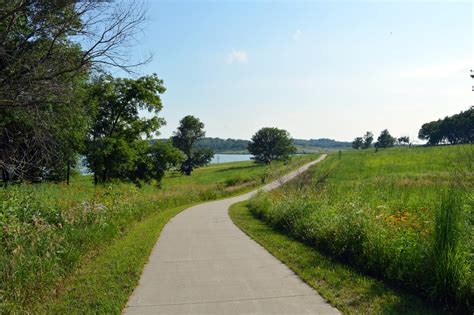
[317, 69]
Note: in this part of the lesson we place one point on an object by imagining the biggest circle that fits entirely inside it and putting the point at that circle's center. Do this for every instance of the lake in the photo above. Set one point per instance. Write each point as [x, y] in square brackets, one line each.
[218, 158]
[225, 158]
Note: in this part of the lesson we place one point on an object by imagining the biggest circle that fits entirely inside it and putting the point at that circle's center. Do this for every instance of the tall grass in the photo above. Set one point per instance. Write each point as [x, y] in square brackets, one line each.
[398, 214]
[47, 229]
[451, 253]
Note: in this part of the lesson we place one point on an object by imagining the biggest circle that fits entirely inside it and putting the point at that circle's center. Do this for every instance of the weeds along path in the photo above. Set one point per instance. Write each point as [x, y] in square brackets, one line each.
[202, 263]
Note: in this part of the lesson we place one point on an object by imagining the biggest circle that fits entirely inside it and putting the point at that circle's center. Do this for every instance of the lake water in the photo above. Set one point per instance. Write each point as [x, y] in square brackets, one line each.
[218, 158]
[225, 158]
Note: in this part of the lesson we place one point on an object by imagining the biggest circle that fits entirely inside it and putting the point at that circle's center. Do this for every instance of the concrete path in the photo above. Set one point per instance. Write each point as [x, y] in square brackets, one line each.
[203, 264]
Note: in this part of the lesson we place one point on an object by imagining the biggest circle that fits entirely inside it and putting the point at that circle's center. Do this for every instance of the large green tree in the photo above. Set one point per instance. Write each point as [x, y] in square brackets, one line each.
[115, 141]
[270, 144]
[190, 130]
[47, 50]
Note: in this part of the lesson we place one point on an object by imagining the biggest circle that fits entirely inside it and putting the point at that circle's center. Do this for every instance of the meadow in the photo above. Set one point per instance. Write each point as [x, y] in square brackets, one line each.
[54, 237]
[403, 215]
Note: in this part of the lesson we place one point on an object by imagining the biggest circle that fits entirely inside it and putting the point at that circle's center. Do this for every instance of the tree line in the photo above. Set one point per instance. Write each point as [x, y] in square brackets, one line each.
[218, 144]
[322, 143]
[384, 140]
[222, 145]
[455, 129]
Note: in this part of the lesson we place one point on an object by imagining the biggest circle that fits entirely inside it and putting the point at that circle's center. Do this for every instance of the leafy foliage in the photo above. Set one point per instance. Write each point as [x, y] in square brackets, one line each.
[48, 50]
[368, 139]
[455, 129]
[153, 161]
[271, 144]
[403, 140]
[114, 147]
[357, 143]
[39, 142]
[190, 130]
[385, 140]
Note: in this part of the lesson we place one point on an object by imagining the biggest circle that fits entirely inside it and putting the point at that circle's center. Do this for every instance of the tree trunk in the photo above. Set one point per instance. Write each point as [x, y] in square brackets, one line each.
[104, 175]
[4, 178]
[68, 171]
[96, 179]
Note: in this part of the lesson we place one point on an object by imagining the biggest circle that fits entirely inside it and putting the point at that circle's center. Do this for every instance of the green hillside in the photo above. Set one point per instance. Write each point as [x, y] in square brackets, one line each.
[402, 214]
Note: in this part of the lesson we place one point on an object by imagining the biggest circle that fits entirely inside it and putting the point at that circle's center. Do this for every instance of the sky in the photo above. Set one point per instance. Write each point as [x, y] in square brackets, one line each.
[319, 69]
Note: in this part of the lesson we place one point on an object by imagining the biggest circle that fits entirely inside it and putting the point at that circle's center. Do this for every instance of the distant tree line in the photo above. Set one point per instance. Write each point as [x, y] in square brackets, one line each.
[322, 143]
[455, 129]
[220, 145]
[384, 140]
[239, 145]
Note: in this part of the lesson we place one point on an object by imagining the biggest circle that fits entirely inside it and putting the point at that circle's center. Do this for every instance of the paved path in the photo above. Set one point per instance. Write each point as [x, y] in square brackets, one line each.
[203, 264]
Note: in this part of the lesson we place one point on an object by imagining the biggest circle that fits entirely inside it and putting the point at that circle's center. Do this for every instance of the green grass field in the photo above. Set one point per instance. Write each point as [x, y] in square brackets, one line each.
[404, 215]
[75, 248]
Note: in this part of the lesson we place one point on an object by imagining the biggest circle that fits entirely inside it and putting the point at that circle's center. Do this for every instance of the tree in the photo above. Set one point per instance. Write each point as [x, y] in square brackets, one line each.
[46, 44]
[154, 160]
[404, 140]
[190, 130]
[431, 132]
[385, 140]
[42, 141]
[47, 51]
[357, 143]
[368, 138]
[114, 143]
[270, 144]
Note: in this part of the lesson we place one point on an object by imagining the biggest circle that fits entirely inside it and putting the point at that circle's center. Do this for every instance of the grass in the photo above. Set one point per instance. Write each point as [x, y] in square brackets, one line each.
[345, 288]
[387, 215]
[103, 284]
[81, 248]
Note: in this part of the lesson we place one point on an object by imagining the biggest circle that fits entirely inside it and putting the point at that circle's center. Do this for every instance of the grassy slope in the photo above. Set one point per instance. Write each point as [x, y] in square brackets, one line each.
[345, 288]
[109, 264]
[391, 197]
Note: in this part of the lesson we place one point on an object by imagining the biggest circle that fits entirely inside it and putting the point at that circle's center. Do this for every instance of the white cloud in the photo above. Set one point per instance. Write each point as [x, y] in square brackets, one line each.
[238, 56]
[297, 34]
